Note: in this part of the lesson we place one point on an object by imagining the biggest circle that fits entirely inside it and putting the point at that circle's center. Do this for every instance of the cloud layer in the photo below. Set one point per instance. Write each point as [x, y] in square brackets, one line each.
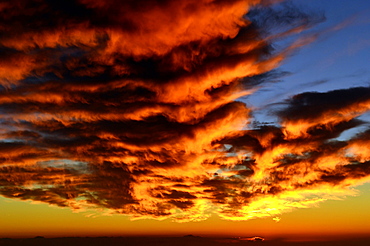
[132, 106]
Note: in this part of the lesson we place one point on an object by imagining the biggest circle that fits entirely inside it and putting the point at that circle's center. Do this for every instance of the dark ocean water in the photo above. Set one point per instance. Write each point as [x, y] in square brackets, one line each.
[173, 241]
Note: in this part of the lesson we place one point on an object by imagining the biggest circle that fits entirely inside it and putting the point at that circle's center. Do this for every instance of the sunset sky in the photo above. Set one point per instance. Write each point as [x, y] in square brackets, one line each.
[203, 117]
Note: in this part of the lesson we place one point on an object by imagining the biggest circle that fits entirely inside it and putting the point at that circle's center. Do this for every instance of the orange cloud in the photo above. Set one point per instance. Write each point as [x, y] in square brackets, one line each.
[133, 107]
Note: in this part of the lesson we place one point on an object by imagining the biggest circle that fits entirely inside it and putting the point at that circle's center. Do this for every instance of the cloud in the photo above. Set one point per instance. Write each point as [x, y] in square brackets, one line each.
[276, 219]
[133, 107]
[330, 108]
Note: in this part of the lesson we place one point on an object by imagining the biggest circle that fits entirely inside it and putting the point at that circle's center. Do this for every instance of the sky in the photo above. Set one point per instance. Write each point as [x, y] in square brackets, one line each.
[227, 117]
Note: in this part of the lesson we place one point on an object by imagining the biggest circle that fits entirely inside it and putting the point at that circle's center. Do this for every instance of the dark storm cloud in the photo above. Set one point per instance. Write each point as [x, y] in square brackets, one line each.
[313, 105]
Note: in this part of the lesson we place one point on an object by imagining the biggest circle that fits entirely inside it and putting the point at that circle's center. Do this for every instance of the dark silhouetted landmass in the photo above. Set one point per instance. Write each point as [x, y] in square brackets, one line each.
[188, 240]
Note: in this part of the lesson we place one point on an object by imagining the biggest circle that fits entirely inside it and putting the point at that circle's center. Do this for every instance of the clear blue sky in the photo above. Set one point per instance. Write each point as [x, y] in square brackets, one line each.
[339, 58]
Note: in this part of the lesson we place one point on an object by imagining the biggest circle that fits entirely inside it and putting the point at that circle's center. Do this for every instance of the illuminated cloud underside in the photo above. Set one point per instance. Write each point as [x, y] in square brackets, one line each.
[131, 106]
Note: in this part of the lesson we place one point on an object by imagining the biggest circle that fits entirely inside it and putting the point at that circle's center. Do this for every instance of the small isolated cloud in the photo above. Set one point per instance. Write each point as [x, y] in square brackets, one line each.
[276, 219]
